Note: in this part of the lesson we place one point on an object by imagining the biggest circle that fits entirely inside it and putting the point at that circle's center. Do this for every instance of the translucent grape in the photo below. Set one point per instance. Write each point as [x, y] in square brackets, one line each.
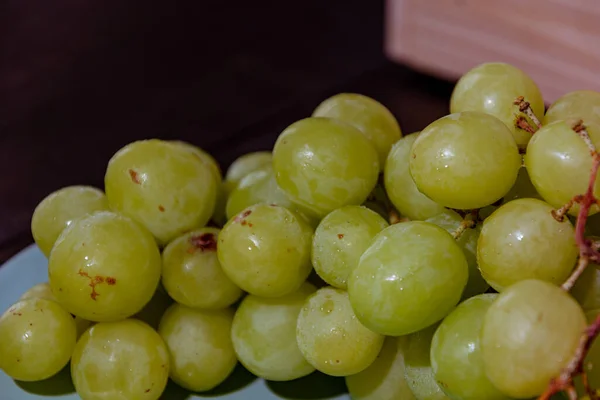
[450, 221]
[522, 240]
[162, 186]
[192, 274]
[529, 333]
[155, 308]
[384, 378]
[492, 88]
[200, 347]
[205, 157]
[37, 337]
[559, 164]
[340, 239]
[104, 267]
[522, 189]
[587, 289]
[465, 161]
[248, 163]
[265, 250]
[456, 358]
[58, 210]
[418, 371]
[411, 276]
[330, 336]
[401, 187]
[124, 360]
[579, 104]
[323, 164]
[264, 335]
[368, 115]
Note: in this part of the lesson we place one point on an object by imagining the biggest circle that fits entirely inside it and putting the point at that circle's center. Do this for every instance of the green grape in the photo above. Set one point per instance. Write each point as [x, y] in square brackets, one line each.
[323, 164]
[155, 308]
[200, 347]
[224, 191]
[411, 276]
[522, 189]
[559, 164]
[248, 163]
[591, 364]
[104, 267]
[58, 210]
[522, 240]
[450, 221]
[465, 161]
[579, 104]
[371, 117]
[401, 187]
[37, 337]
[162, 186]
[265, 250]
[529, 333]
[384, 378]
[192, 274]
[492, 88]
[587, 289]
[378, 200]
[205, 157]
[264, 335]
[418, 371]
[340, 239]
[258, 187]
[330, 336]
[456, 359]
[44, 291]
[123, 360]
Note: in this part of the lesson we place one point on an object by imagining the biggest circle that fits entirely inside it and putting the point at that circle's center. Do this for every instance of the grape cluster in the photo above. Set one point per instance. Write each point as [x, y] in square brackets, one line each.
[424, 266]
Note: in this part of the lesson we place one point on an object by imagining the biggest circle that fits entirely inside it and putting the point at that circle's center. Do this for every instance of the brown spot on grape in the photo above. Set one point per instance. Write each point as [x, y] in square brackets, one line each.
[414, 155]
[340, 235]
[241, 217]
[244, 222]
[18, 314]
[205, 241]
[147, 391]
[18, 360]
[134, 176]
[161, 208]
[30, 324]
[97, 280]
[60, 289]
[337, 361]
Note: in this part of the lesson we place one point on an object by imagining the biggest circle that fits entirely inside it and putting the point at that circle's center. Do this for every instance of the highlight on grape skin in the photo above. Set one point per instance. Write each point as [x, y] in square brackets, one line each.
[346, 250]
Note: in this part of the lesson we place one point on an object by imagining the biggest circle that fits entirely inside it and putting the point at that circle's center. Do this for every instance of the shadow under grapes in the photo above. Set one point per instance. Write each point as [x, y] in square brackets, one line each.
[317, 386]
[57, 385]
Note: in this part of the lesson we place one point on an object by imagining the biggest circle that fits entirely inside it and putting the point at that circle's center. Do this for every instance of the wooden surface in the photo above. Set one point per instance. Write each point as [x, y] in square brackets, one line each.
[78, 80]
[555, 41]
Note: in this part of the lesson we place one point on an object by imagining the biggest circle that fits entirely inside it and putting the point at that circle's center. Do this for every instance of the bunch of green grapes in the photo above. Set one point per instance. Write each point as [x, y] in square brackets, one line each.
[440, 256]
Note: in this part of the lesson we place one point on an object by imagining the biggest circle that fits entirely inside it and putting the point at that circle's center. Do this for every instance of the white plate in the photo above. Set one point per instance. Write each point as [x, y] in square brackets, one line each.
[29, 268]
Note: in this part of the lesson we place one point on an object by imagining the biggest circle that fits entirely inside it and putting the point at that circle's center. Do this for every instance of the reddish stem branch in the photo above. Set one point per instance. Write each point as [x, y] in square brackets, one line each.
[522, 123]
[469, 221]
[525, 107]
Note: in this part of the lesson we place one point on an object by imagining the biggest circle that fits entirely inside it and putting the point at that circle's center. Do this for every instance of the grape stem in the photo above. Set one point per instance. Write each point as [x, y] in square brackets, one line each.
[469, 221]
[588, 252]
[395, 218]
[525, 107]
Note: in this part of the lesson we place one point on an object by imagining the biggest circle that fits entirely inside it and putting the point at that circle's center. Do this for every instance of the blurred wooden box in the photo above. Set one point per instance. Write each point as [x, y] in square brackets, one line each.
[557, 42]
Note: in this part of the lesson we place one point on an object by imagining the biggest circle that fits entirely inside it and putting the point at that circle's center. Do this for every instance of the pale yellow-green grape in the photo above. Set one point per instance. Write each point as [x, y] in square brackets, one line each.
[205, 157]
[58, 210]
[371, 117]
[579, 104]
[44, 291]
[591, 364]
[265, 250]
[330, 336]
[529, 333]
[264, 335]
[492, 88]
[161, 185]
[587, 289]
[417, 366]
[340, 239]
[465, 161]
[200, 347]
[559, 164]
[323, 164]
[123, 360]
[456, 358]
[522, 189]
[248, 163]
[522, 240]
[384, 378]
[411, 276]
[104, 267]
[37, 337]
[192, 274]
[401, 187]
[257, 187]
[450, 220]
[155, 308]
